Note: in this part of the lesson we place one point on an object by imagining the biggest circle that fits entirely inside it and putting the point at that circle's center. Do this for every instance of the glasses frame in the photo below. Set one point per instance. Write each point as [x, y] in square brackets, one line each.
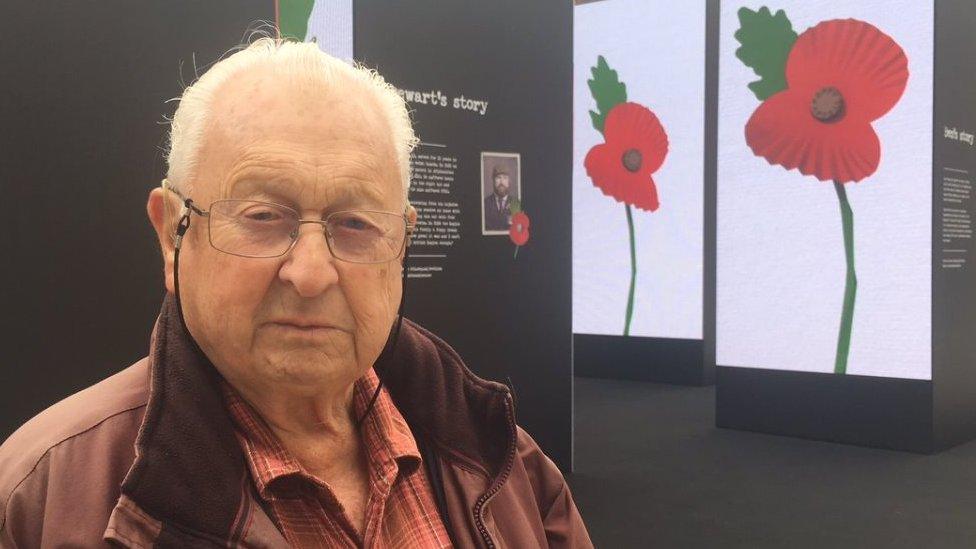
[189, 208]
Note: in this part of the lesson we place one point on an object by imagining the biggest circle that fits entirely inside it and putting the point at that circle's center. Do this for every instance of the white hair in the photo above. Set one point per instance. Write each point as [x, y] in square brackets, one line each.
[300, 64]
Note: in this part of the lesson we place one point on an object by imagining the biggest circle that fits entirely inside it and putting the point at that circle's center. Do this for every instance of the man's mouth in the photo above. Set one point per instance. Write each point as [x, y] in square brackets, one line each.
[304, 325]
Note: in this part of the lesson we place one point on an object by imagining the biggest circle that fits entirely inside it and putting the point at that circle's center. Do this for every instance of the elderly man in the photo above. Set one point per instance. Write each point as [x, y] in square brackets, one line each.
[282, 402]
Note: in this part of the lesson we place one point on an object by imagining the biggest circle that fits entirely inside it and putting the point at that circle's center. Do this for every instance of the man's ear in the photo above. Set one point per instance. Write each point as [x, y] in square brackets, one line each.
[162, 216]
[411, 214]
[411, 222]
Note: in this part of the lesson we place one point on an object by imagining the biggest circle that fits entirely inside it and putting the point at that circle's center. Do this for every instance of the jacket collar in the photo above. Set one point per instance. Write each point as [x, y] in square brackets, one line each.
[464, 416]
[190, 472]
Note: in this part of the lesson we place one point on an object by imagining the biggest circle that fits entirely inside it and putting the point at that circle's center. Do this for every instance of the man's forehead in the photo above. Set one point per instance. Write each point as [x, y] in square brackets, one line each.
[257, 102]
[292, 132]
[293, 181]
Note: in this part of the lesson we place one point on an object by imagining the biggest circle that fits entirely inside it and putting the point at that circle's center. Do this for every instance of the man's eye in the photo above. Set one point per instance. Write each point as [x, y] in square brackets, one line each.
[353, 224]
[261, 215]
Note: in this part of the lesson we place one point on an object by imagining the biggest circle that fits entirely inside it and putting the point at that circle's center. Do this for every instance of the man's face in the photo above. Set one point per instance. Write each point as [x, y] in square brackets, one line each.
[304, 321]
[501, 185]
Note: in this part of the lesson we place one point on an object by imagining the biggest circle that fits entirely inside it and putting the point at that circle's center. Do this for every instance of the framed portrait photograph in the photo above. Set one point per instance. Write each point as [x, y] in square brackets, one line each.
[501, 183]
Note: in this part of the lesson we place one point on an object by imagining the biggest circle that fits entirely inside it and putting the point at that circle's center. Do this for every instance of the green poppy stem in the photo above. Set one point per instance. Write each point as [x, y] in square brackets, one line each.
[633, 271]
[850, 289]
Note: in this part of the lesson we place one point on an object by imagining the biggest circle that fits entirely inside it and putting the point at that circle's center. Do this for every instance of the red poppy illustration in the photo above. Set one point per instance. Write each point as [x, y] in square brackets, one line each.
[635, 145]
[841, 75]
[635, 148]
[518, 231]
[821, 91]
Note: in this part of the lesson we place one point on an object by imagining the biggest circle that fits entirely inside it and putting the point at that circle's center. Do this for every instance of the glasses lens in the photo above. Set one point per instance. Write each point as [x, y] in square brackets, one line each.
[366, 237]
[252, 229]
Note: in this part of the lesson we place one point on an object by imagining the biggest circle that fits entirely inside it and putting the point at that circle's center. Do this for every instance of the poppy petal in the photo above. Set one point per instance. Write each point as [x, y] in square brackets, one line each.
[518, 231]
[866, 65]
[634, 126]
[520, 220]
[643, 196]
[519, 238]
[605, 169]
[782, 131]
[601, 166]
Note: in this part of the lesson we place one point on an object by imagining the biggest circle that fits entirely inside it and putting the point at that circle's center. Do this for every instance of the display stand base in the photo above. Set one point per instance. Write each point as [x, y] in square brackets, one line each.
[865, 411]
[658, 360]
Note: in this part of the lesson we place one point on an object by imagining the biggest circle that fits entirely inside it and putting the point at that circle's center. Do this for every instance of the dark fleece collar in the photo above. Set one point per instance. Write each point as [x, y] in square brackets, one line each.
[190, 472]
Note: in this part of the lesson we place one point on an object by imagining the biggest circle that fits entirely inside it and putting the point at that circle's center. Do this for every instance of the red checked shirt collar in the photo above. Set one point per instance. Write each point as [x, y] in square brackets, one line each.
[389, 444]
[400, 510]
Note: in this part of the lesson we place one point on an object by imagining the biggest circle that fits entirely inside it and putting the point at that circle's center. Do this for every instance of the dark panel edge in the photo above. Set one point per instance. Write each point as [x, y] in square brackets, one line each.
[865, 411]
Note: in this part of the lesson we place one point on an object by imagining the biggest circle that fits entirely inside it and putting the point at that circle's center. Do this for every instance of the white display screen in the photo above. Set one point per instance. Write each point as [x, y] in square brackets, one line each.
[330, 26]
[657, 49]
[782, 262]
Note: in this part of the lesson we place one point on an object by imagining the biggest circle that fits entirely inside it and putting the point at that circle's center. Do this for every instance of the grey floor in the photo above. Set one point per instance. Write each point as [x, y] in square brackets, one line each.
[653, 471]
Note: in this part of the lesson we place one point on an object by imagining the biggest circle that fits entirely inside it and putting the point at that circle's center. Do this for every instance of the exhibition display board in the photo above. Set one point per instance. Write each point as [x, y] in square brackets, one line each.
[488, 85]
[845, 291]
[776, 197]
[641, 157]
[82, 141]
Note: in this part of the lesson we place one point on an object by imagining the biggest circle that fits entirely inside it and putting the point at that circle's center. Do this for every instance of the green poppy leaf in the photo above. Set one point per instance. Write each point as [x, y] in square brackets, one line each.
[514, 206]
[766, 43]
[293, 18]
[607, 90]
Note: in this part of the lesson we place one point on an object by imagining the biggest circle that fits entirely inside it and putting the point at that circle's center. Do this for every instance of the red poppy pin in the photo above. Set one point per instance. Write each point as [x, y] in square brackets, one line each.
[518, 231]
[622, 167]
[820, 92]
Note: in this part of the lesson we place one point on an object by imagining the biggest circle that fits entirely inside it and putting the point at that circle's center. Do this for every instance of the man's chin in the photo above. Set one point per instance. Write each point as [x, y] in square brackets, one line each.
[308, 369]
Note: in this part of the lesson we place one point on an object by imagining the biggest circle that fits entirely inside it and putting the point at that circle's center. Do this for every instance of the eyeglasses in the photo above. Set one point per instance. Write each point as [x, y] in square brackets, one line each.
[250, 228]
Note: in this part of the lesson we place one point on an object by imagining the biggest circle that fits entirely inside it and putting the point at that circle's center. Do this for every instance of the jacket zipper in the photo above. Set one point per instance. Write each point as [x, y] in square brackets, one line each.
[479, 506]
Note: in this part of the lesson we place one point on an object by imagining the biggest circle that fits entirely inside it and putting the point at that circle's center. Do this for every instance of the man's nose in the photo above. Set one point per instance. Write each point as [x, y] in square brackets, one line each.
[310, 267]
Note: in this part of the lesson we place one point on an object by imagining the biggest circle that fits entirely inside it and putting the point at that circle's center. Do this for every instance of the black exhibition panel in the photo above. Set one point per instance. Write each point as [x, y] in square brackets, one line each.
[489, 83]
[953, 290]
[83, 104]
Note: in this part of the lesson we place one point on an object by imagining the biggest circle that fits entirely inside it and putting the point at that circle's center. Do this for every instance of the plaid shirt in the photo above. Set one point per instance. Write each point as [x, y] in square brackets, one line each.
[400, 509]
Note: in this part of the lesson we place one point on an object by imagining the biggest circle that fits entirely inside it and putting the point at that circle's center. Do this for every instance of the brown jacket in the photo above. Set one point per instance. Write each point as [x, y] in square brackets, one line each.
[147, 458]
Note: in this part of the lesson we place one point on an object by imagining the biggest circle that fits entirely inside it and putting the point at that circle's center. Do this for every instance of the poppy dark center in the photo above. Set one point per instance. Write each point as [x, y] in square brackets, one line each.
[632, 160]
[827, 105]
